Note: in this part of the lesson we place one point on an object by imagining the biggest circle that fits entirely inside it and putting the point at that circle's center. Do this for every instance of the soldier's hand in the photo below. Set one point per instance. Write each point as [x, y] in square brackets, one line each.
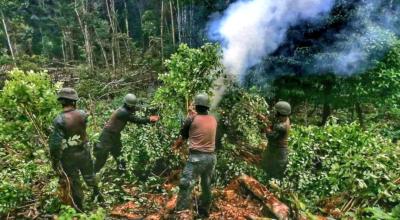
[154, 118]
[262, 118]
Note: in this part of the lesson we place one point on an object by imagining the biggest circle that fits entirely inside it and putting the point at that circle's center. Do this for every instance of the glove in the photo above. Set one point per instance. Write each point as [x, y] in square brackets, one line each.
[154, 118]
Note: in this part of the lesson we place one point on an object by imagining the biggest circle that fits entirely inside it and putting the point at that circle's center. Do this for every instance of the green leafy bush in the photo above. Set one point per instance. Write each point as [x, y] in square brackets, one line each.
[68, 213]
[148, 148]
[190, 71]
[28, 105]
[239, 110]
[345, 161]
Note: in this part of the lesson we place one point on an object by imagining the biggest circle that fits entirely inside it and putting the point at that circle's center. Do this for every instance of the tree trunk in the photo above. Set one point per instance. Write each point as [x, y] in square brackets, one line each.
[178, 21]
[103, 51]
[191, 23]
[184, 24]
[326, 112]
[115, 32]
[3, 19]
[110, 18]
[162, 31]
[172, 23]
[327, 86]
[85, 30]
[71, 46]
[279, 209]
[360, 114]
[126, 19]
[127, 38]
[63, 50]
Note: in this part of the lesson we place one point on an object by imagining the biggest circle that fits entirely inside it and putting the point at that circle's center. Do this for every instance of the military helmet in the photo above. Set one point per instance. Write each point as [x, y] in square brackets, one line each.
[202, 100]
[283, 108]
[130, 100]
[68, 93]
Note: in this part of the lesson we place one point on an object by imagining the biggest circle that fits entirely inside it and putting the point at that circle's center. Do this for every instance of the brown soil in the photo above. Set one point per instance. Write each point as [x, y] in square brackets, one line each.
[232, 202]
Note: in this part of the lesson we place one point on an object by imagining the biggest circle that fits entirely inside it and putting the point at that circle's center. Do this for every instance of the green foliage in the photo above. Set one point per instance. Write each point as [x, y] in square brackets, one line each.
[239, 110]
[377, 213]
[28, 104]
[231, 164]
[11, 196]
[190, 71]
[68, 213]
[150, 23]
[342, 160]
[147, 150]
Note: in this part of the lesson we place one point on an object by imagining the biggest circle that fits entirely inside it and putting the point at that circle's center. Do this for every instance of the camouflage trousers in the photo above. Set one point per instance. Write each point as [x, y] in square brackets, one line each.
[274, 161]
[109, 143]
[76, 161]
[198, 165]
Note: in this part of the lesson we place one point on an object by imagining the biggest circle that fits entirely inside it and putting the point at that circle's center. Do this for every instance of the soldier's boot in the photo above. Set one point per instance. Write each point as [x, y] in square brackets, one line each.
[203, 212]
[205, 204]
[77, 194]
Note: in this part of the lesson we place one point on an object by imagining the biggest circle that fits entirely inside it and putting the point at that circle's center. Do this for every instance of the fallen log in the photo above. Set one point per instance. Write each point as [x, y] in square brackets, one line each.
[279, 209]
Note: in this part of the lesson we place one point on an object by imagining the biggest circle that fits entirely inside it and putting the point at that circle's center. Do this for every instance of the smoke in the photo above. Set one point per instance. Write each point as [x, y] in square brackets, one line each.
[250, 30]
[363, 41]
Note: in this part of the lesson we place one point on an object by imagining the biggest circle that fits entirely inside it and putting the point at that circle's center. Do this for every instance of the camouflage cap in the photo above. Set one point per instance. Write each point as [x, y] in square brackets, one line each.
[68, 93]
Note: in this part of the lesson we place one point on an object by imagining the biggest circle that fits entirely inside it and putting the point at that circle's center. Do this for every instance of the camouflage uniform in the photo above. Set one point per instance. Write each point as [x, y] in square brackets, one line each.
[69, 153]
[110, 137]
[198, 165]
[275, 157]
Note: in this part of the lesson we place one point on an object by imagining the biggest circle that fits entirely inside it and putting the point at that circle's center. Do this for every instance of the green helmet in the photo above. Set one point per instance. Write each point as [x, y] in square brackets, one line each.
[202, 100]
[68, 93]
[283, 108]
[130, 100]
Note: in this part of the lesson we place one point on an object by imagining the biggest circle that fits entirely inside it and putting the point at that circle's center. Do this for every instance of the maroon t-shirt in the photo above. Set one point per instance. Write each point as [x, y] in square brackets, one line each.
[202, 131]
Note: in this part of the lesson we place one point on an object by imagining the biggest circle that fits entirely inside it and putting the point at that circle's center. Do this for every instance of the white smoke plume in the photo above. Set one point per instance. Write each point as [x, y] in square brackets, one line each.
[371, 32]
[250, 30]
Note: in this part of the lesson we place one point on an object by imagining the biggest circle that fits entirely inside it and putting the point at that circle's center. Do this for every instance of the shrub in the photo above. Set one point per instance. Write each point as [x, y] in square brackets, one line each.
[345, 161]
[28, 106]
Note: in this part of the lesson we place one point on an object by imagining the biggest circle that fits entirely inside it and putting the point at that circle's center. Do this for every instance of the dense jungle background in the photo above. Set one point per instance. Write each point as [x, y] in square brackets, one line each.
[344, 150]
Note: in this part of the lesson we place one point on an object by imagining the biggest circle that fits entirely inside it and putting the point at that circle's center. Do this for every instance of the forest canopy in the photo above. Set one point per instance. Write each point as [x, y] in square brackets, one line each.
[337, 62]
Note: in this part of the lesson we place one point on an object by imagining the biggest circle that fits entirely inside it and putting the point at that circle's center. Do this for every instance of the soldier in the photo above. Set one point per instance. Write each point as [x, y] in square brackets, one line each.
[200, 129]
[275, 156]
[110, 137]
[68, 147]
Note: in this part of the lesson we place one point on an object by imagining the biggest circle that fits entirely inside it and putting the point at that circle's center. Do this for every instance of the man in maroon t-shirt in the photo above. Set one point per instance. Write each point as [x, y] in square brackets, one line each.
[200, 129]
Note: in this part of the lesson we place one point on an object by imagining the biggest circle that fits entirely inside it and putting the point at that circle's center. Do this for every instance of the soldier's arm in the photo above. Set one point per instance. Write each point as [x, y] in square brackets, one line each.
[185, 128]
[277, 130]
[84, 115]
[131, 117]
[55, 142]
